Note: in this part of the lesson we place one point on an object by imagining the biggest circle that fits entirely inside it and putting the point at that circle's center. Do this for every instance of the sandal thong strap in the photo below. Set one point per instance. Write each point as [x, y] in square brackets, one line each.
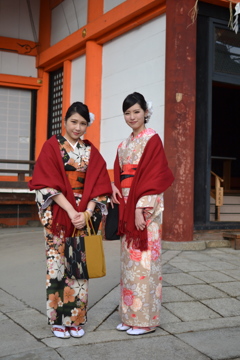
[64, 331]
[59, 329]
[76, 328]
[76, 331]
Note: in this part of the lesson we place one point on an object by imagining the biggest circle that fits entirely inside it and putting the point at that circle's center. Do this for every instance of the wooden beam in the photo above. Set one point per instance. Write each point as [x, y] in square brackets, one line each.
[132, 23]
[18, 46]
[54, 3]
[129, 12]
[20, 81]
[224, 3]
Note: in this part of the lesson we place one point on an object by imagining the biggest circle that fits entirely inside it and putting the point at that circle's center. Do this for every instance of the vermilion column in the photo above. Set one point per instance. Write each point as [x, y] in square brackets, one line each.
[67, 71]
[42, 95]
[44, 25]
[95, 9]
[42, 114]
[180, 119]
[93, 85]
[93, 75]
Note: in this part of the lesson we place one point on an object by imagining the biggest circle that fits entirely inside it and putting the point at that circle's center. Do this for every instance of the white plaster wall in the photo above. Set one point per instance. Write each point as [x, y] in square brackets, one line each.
[15, 21]
[15, 118]
[14, 64]
[68, 17]
[78, 80]
[132, 62]
[110, 4]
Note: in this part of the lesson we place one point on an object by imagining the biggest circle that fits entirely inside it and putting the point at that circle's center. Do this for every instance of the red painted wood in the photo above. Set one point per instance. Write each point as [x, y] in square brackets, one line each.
[180, 119]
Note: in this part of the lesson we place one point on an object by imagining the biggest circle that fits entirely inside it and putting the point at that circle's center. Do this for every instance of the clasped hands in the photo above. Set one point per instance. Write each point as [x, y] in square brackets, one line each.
[78, 219]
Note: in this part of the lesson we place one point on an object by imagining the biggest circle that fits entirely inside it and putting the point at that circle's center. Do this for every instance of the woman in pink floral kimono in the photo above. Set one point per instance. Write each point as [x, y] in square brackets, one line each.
[141, 175]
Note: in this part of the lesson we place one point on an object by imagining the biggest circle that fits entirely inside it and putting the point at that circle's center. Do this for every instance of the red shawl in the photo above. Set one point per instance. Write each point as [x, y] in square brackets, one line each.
[49, 172]
[153, 176]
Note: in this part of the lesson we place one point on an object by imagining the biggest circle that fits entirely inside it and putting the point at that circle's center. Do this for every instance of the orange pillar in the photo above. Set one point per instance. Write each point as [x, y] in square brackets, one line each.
[95, 9]
[42, 95]
[67, 70]
[44, 25]
[93, 84]
[42, 114]
[180, 105]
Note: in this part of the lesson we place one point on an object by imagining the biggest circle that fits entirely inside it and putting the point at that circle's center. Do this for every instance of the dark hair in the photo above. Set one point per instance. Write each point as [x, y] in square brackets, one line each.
[80, 108]
[132, 99]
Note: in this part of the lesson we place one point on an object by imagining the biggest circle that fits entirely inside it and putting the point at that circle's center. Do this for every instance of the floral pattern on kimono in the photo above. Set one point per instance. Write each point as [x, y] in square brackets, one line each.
[141, 271]
[67, 299]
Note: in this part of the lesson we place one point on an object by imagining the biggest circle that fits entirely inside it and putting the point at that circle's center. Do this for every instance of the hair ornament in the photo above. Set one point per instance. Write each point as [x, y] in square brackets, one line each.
[150, 111]
[92, 118]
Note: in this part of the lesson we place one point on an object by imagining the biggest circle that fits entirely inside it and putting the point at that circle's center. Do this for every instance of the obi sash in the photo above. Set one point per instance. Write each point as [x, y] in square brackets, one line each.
[76, 179]
[127, 175]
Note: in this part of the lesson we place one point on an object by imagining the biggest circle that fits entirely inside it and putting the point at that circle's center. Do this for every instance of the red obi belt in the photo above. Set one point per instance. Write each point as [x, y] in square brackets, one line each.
[127, 175]
[76, 179]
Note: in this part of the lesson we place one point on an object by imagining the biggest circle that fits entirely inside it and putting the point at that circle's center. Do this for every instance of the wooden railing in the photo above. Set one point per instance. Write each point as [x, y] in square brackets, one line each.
[20, 172]
[217, 194]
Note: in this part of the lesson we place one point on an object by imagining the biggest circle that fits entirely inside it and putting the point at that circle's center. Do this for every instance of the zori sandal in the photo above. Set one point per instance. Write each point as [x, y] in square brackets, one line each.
[140, 331]
[76, 331]
[122, 327]
[60, 332]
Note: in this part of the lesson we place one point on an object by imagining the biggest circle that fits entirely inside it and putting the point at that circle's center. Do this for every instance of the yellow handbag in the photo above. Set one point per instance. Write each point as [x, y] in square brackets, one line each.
[95, 259]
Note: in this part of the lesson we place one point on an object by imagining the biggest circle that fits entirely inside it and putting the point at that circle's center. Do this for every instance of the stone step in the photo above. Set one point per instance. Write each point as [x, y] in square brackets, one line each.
[228, 200]
[229, 211]
[226, 217]
[226, 209]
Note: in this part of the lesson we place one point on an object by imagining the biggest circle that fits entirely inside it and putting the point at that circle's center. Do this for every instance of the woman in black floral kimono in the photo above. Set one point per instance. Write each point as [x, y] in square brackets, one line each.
[70, 178]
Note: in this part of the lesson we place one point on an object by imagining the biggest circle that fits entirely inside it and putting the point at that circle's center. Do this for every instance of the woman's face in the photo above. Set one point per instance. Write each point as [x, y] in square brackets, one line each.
[75, 127]
[134, 117]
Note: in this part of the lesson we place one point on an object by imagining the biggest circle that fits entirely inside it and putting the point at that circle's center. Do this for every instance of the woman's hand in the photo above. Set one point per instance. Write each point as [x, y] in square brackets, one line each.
[115, 193]
[79, 220]
[72, 213]
[140, 222]
[61, 200]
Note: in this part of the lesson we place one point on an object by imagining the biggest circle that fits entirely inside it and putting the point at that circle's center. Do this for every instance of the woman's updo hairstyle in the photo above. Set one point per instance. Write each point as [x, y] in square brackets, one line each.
[132, 99]
[79, 108]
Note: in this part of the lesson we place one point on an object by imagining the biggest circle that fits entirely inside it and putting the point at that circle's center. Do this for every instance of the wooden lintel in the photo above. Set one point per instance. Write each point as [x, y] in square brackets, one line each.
[17, 199]
[129, 12]
[54, 3]
[18, 46]
[148, 15]
[16, 202]
[20, 81]
[224, 3]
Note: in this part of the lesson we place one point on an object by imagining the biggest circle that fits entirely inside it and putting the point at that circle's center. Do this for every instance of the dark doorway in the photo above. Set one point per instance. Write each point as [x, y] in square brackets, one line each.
[225, 151]
[217, 116]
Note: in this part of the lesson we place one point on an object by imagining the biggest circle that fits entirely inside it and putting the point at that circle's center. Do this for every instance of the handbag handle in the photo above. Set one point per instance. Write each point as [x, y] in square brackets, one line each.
[75, 232]
[88, 220]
